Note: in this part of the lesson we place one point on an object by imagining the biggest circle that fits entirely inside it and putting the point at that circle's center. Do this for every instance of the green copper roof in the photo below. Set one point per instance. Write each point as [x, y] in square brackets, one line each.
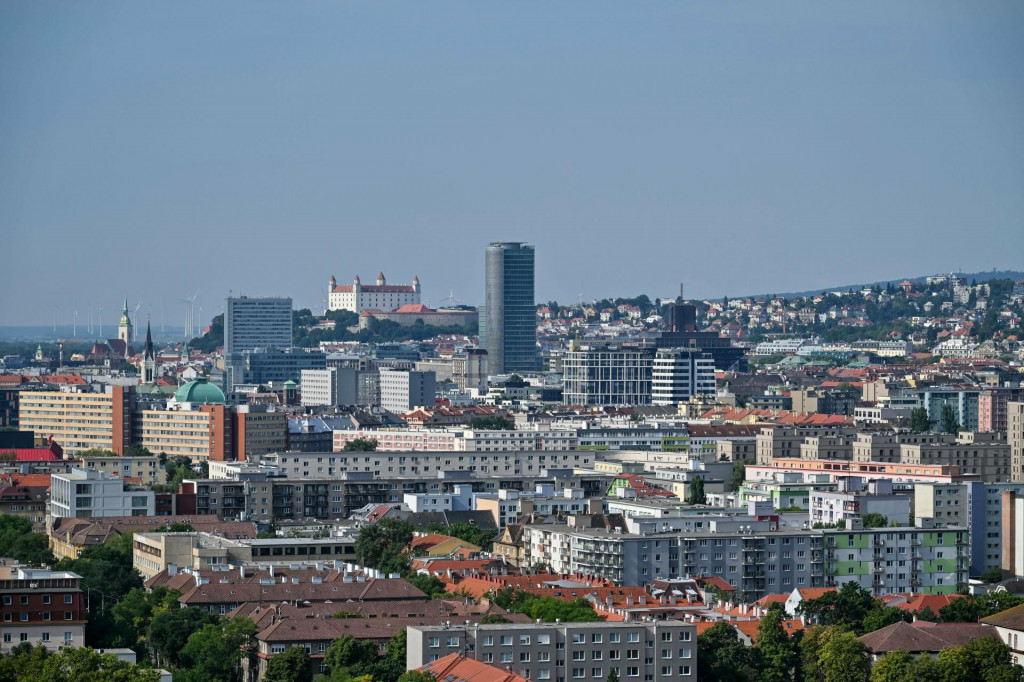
[199, 391]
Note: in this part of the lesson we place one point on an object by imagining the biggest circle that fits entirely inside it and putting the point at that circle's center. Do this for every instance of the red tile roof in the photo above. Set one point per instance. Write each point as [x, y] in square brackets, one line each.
[458, 667]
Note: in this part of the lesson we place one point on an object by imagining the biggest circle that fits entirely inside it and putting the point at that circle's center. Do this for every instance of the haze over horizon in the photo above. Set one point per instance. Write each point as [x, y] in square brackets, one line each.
[157, 150]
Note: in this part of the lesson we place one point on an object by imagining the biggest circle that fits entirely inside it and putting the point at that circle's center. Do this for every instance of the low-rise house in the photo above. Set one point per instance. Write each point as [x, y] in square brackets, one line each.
[923, 637]
[1009, 627]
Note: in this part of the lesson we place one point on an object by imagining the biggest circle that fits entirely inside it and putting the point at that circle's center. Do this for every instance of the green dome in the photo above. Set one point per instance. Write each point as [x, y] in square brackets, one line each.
[199, 391]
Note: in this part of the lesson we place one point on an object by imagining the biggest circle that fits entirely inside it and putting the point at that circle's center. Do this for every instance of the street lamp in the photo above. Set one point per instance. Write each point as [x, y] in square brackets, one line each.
[88, 598]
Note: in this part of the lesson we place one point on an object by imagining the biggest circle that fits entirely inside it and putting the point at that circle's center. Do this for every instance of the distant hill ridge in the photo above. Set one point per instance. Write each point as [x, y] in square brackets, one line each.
[978, 276]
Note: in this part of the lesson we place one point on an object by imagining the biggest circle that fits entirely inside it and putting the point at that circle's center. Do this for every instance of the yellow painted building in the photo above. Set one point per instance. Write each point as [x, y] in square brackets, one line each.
[78, 421]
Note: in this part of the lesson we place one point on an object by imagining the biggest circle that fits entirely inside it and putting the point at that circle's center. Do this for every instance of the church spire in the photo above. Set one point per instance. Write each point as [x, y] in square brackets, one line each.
[148, 352]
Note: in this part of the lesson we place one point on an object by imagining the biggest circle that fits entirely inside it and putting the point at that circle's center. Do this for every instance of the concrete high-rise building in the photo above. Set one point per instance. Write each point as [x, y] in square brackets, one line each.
[607, 374]
[1014, 435]
[401, 391]
[679, 373]
[80, 420]
[332, 386]
[469, 369]
[251, 323]
[508, 322]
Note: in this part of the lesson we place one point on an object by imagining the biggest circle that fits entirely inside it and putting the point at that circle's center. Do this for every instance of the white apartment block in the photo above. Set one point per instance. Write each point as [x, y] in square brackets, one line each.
[401, 391]
[462, 440]
[679, 374]
[384, 464]
[653, 651]
[331, 387]
[87, 493]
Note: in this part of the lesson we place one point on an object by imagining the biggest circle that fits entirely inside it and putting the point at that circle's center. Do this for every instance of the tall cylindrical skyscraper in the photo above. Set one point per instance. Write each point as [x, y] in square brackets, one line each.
[508, 328]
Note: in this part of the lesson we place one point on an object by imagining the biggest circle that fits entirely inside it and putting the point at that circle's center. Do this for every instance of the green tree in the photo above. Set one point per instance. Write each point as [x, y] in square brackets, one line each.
[430, 585]
[895, 666]
[26, 663]
[846, 608]
[880, 616]
[843, 658]
[481, 537]
[949, 420]
[361, 445]
[137, 451]
[775, 649]
[169, 631]
[417, 676]
[811, 645]
[612, 676]
[874, 520]
[17, 541]
[963, 610]
[492, 423]
[383, 544]
[348, 653]
[722, 657]
[696, 491]
[992, 575]
[739, 475]
[919, 420]
[294, 665]
[135, 612]
[215, 651]
[986, 658]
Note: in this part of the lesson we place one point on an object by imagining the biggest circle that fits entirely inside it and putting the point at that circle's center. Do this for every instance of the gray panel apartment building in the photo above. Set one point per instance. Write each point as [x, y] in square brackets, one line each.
[652, 651]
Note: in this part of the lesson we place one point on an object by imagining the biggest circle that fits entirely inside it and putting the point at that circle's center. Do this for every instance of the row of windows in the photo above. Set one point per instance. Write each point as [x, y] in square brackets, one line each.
[45, 637]
[23, 599]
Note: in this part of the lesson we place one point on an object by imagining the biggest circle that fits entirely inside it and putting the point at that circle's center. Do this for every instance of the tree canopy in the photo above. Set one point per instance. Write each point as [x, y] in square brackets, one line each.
[383, 545]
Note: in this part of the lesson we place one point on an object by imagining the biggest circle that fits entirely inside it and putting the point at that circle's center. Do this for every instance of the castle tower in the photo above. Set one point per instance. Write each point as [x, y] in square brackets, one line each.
[148, 359]
[355, 284]
[380, 279]
[416, 284]
[124, 328]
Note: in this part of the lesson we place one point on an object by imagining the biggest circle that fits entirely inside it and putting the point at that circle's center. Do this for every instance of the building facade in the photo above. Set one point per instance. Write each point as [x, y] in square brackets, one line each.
[80, 420]
[656, 651]
[87, 493]
[41, 607]
[401, 391]
[607, 374]
[251, 323]
[508, 321]
[358, 297]
[679, 374]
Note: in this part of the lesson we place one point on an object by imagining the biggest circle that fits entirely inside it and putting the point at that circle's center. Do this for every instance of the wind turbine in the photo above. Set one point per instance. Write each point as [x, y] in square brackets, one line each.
[135, 316]
[101, 322]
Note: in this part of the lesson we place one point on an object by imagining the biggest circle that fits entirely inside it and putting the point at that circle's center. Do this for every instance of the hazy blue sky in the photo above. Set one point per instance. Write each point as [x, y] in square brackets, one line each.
[156, 149]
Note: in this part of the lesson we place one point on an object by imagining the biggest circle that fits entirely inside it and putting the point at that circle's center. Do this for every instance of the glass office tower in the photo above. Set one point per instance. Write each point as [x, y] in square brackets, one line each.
[508, 328]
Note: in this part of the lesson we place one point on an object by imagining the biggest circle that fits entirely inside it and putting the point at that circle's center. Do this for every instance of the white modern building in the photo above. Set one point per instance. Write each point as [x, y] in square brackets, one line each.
[332, 386]
[679, 374]
[382, 296]
[401, 390]
[88, 493]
